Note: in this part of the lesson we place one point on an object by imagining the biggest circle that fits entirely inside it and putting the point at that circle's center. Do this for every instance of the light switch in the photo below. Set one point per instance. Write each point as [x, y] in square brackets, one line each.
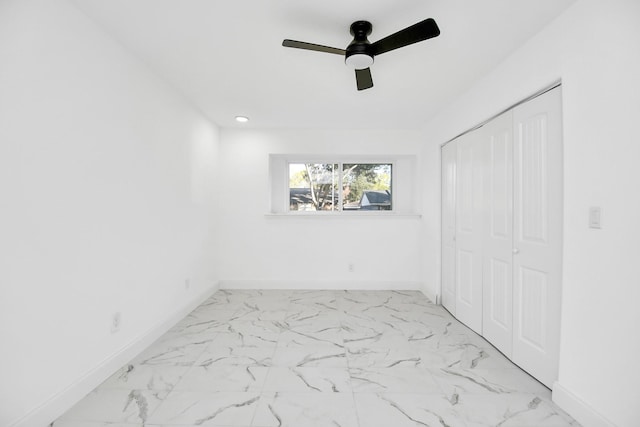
[595, 217]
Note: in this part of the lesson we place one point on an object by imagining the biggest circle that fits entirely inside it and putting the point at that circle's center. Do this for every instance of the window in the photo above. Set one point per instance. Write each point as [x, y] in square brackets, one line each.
[345, 187]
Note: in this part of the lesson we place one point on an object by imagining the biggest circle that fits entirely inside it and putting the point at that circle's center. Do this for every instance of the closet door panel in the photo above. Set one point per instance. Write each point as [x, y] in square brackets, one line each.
[497, 326]
[468, 226]
[448, 243]
[537, 260]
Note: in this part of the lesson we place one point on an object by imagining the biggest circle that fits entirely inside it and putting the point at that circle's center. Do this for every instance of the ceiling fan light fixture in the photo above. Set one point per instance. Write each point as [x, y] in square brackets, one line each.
[359, 61]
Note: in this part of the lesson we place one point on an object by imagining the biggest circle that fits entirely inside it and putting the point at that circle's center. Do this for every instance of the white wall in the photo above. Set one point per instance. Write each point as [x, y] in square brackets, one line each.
[258, 250]
[106, 205]
[595, 49]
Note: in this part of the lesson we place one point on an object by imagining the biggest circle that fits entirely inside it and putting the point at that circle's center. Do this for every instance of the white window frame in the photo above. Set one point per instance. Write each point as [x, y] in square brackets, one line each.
[405, 196]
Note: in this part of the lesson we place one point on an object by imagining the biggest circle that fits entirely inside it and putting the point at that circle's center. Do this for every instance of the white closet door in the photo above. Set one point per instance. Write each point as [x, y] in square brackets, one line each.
[468, 225]
[497, 325]
[537, 260]
[448, 195]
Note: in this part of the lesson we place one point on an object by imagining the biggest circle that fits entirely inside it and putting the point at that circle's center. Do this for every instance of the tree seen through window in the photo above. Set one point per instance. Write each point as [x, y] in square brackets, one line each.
[315, 186]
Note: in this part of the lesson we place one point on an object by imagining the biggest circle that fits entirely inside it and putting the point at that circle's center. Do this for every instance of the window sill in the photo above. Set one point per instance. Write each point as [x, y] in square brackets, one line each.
[343, 215]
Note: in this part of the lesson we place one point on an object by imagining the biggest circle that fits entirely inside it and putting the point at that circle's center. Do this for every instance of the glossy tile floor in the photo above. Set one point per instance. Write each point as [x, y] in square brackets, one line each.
[316, 359]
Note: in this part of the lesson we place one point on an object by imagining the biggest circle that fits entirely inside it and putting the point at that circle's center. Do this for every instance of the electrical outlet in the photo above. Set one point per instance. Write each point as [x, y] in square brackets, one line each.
[187, 284]
[116, 320]
[351, 267]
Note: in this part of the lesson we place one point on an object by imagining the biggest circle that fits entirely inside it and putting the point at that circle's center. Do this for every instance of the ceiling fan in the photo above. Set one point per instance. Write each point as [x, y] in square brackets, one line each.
[360, 52]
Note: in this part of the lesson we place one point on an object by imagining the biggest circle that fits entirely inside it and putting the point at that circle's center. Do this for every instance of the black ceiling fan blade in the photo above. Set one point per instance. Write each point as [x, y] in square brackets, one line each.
[312, 46]
[416, 33]
[363, 79]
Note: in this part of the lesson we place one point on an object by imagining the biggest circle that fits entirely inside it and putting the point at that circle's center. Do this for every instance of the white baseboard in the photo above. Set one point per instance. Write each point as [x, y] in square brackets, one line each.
[577, 408]
[46, 413]
[359, 285]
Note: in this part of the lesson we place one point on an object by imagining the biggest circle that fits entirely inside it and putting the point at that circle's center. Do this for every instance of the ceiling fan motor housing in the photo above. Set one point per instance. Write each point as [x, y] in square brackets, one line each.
[358, 54]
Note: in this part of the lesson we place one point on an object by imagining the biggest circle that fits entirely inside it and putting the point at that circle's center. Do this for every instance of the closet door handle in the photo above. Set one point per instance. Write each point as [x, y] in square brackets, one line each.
[515, 251]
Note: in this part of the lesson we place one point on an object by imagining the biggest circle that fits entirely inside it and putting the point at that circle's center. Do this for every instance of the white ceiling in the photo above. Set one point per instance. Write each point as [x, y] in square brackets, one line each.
[226, 56]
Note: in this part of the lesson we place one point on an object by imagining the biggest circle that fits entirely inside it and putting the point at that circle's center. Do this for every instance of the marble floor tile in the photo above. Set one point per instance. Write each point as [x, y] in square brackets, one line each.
[405, 410]
[259, 328]
[304, 379]
[228, 300]
[310, 357]
[361, 298]
[263, 303]
[235, 355]
[253, 358]
[249, 313]
[421, 318]
[328, 337]
[248, 334]
[408, 314]
[357, 328]
[393, 380]
[514, 410]
[223, 378]
[145, 377]
[207, 408]
[176, 337]
[384, 357]
[402, 409]
[115, 406]
[63, 423]
[240, 339]
[376, 315]
[314, 318]
[314, 300]
[483, 381]
[326, 305]
[170, 354]
[463, 356]
[306, 409]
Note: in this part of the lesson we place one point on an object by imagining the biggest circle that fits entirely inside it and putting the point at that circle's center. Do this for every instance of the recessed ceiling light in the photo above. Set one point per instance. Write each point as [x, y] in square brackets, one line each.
[242, 119]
